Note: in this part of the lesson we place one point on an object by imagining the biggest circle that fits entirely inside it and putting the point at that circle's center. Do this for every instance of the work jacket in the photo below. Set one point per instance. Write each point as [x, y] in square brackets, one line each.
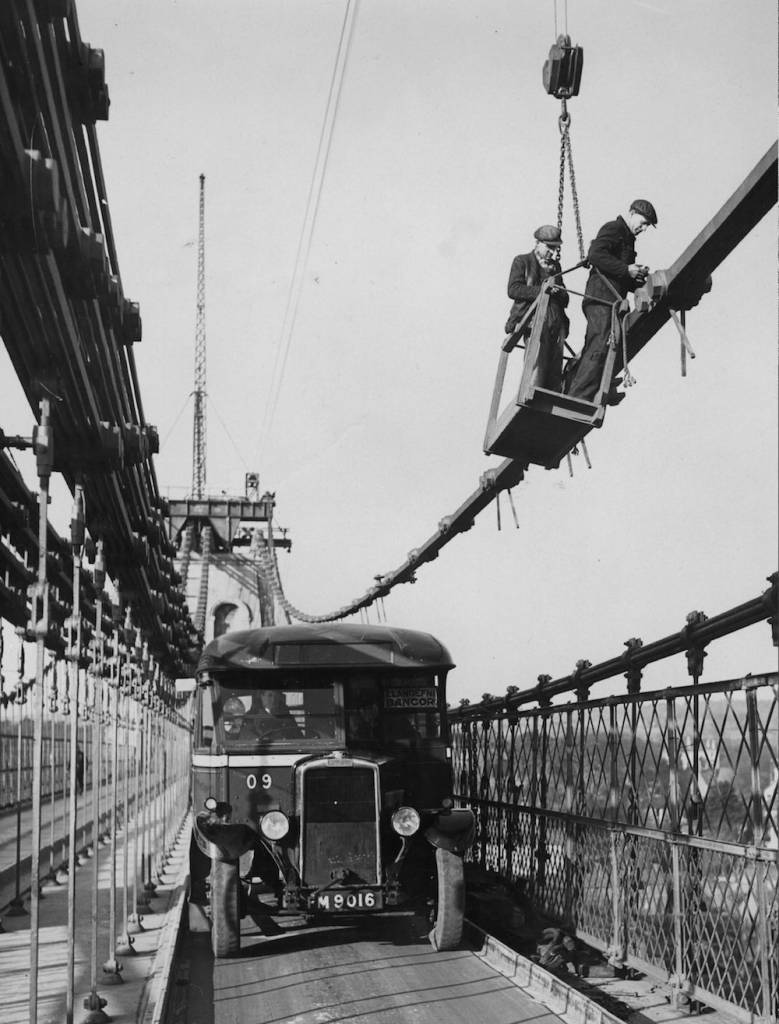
[612, 251]
[525, 280]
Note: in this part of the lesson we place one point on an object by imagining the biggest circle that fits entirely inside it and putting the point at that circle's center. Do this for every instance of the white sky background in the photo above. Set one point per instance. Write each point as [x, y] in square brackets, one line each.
[444, 160]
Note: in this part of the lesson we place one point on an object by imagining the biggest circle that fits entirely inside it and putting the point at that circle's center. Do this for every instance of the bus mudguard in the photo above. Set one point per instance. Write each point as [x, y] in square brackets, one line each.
[452, 830]
[222, 840]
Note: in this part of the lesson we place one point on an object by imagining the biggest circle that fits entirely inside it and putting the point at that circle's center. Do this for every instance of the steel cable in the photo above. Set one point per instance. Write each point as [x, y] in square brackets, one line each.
[283, 345]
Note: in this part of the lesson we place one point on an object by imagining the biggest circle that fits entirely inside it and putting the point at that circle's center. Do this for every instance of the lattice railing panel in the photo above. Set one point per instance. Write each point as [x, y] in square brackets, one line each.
[596, 761]
[593, 908]
[648, 899]
[555, 764]
[650, 773]
[726, 898]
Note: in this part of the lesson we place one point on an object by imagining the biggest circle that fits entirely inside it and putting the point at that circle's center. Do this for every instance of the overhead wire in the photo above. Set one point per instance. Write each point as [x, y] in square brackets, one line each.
[313, 199]
[178, 417]
[227, 432]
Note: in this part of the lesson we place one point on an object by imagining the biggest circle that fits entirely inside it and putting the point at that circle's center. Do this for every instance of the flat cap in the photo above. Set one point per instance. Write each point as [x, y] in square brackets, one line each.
[549, 234]
[645, 208]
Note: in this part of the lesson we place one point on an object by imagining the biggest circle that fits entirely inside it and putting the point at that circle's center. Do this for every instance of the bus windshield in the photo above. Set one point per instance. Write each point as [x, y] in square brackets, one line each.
[356, 708]
[248, 715]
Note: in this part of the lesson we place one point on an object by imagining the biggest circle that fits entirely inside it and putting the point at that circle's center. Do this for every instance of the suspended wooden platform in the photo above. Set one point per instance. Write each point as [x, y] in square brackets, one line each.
[541, 426]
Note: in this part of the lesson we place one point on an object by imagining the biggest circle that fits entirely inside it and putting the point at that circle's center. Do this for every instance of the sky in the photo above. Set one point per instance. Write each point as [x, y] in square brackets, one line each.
[443, 161]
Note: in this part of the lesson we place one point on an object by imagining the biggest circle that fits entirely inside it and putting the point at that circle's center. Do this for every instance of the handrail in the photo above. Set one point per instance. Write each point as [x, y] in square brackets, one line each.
[696, 634]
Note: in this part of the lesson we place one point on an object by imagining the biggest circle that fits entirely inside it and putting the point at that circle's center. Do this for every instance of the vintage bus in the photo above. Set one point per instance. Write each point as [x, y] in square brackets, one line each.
[321, 774]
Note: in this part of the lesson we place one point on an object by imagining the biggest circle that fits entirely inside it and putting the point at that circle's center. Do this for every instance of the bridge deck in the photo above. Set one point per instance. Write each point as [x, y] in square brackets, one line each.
[380, 970]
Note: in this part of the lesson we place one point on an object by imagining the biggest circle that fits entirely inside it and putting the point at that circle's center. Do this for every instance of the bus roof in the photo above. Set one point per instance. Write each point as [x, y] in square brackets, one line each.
[327, 645]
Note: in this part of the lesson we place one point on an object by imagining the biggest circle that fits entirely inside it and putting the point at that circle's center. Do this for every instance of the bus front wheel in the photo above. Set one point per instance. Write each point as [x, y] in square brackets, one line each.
[225, 908]
[450, 904]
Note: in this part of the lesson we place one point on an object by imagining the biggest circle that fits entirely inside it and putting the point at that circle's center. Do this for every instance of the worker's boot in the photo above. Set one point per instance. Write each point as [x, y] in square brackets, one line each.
[614, 397]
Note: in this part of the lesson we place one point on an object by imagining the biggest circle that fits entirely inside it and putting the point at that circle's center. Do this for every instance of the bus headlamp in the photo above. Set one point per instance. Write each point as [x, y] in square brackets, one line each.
[274, 825]
[210, 803]
[405, 821]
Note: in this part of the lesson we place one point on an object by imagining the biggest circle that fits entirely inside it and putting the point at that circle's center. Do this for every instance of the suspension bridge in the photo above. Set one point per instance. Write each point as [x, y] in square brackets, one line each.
[624, 859]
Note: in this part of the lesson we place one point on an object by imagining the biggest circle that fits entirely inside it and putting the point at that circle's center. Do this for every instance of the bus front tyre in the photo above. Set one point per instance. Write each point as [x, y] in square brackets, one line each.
[447, 928]
[225, 908]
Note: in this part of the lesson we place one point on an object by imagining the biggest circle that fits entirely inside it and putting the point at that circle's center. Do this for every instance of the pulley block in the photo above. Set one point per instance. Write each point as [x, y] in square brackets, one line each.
[562, 72]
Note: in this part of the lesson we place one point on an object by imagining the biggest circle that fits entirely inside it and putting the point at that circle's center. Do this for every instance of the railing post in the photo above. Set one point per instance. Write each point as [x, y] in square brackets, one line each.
[125, 944]
[695, 655]
[574, 798]
[74, 658]
[16, 907]
[617, 950]
[760, 867]
[540, 772]
[510, 797]
[533, 802]
[93, 1002]
[633, 879]
[51, 877]
[112, 968]
[44, 454]
[678, 981]
[483, 790]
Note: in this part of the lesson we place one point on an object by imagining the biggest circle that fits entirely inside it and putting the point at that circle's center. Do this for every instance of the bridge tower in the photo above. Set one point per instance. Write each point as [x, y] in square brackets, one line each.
[219, 539]
[199, 419]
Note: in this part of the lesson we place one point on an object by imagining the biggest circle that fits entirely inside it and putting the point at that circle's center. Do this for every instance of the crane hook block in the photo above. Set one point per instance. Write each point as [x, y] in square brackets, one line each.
[562, 73]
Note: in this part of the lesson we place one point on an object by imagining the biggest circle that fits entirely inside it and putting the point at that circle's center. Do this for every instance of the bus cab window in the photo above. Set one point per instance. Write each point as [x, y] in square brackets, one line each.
[284, 714]
[205, 735]
[363, 704]
[364, 722]
[319, 713]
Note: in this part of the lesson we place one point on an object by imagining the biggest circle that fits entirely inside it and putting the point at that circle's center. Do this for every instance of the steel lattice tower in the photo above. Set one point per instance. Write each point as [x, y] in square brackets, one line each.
[199, 424]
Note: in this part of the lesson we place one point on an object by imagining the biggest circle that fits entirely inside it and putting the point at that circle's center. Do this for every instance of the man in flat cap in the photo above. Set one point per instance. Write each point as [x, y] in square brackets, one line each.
[528, 273]
[614, 272]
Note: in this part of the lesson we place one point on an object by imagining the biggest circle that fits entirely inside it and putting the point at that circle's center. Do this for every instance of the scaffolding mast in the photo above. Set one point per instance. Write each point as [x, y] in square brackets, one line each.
[199, 422]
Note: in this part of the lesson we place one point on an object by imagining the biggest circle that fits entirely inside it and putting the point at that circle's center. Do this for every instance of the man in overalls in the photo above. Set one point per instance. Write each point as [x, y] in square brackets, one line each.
[614, 272]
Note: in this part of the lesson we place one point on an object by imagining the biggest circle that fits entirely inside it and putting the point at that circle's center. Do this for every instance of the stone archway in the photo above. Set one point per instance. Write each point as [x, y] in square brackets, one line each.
[230, 615]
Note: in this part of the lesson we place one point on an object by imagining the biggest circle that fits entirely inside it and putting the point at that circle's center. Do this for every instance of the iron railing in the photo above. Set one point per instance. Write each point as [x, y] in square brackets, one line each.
[646, 823]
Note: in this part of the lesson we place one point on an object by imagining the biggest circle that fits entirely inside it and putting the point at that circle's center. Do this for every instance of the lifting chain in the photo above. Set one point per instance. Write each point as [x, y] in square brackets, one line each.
[566, 156]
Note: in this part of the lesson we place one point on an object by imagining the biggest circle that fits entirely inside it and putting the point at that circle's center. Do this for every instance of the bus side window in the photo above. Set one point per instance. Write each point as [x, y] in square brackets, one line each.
[206, 737]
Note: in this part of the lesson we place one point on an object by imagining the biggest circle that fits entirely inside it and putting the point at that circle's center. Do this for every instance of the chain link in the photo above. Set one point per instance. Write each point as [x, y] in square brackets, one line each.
[566, 155]
[575, 198]
[561, 185]
[563, 122]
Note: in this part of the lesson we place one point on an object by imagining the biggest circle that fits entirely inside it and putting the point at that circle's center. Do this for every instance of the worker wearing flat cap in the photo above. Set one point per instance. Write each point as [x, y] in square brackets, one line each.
[614, 272]
[528, 273]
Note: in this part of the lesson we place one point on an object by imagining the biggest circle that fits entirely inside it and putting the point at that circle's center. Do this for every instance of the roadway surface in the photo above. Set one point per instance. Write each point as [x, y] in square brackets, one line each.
[374, 970]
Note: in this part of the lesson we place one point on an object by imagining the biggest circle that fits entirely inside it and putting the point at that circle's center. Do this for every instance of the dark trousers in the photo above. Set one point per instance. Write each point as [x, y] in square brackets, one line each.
[587, 378]
[550, 355]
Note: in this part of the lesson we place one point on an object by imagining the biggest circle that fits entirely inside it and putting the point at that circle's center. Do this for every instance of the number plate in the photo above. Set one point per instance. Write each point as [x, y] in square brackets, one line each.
[351, 901]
